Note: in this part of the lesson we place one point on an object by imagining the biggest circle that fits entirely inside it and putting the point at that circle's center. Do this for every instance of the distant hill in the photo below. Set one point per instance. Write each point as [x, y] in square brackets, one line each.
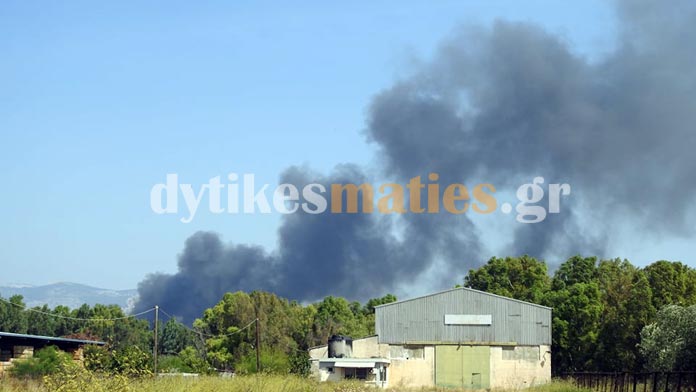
[72, 295]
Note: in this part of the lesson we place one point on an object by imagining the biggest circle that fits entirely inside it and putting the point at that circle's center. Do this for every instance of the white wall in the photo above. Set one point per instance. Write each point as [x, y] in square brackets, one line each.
[520, 366]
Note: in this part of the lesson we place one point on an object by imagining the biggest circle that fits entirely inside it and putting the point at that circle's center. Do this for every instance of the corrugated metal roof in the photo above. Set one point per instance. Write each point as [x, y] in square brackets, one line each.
[422, 319]
[49, 338]
[462, 288]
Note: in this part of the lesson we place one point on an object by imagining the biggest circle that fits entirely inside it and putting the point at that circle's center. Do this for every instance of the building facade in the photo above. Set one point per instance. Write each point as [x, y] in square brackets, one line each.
[461, 338]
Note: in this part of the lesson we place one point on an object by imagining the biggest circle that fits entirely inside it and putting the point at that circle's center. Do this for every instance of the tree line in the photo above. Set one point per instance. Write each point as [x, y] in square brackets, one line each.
[218, 340]
[608, 315]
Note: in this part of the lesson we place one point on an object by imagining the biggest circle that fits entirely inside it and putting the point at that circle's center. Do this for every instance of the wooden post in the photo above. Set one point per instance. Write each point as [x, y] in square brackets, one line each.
[635, 382]
[155, 349]
[258, 347]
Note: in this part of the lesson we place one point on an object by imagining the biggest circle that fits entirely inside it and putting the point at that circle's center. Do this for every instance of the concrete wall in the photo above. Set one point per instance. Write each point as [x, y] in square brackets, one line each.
[369, 347]
[511, 367]
[318, 352]
[404, 370]
[520, 366]
[362, 348]
[323, 373]
[413, 371]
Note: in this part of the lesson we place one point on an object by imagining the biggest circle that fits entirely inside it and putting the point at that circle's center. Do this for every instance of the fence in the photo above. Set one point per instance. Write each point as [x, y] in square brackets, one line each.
[635, 382]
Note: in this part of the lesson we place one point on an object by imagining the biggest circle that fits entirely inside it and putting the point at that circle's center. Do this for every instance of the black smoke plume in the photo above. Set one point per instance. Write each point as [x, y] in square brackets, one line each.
[501, 104]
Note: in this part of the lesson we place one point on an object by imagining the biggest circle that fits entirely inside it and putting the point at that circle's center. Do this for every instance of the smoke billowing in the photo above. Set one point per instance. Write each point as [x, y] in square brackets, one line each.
[500, 104]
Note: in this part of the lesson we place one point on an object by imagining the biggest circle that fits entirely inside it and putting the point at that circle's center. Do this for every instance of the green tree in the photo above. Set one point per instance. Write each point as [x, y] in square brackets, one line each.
[175, 337]
[228, 345]
[336, 316]
[221, 324]
[13, 318]
[524, 278]
[63, 326]
[627, 304]
[672, 283]
[576, 269]
[275, 321]
[669, 343]
[304, 333]
[40, 321]
[373, 302]
[577, 310]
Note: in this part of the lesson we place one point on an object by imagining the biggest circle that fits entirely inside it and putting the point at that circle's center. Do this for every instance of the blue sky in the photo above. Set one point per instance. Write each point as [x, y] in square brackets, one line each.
[99, 101]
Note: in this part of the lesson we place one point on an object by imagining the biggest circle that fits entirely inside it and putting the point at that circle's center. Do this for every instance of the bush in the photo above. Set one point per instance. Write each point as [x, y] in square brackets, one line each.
[299, 363]
[48, 360]
[132, 362]
[192, 361]
[171, 364]
[128, 361]
[188, 361]
[98, 358]
[75, 378]
[272, 361]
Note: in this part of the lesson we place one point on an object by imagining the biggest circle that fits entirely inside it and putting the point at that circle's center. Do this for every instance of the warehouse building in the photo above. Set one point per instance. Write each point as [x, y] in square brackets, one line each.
[461, 338]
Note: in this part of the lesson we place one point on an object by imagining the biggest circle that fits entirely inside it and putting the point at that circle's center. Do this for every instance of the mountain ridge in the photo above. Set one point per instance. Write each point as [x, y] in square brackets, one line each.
[70, 294]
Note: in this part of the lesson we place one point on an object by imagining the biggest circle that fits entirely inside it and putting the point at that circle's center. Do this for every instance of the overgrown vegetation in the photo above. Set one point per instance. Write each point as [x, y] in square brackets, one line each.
[129, 361]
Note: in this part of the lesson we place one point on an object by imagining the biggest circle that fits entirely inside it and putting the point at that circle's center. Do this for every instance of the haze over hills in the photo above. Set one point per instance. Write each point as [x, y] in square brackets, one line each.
[72, 295]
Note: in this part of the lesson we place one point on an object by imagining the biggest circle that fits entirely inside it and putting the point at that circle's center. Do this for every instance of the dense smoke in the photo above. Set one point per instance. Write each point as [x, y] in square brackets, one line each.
[502, 105]
[351, 255]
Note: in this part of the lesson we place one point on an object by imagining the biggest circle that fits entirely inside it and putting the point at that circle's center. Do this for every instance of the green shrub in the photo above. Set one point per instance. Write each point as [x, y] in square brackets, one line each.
[192, 362]
[132, 362]
[299, 363]
[272, 361]
[48, 360]
[75, 378]
[128, 361]
[170, 364]
[98, 358]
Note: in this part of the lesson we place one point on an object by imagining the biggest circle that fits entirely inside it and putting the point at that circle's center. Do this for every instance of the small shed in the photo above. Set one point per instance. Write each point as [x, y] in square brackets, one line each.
[15, 346]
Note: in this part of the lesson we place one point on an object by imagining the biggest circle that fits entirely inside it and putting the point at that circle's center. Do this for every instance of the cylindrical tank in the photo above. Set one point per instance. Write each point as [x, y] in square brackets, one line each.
[340, 346]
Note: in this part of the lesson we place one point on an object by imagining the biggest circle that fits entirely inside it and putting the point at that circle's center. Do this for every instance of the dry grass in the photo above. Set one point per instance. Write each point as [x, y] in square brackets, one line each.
[262, 383]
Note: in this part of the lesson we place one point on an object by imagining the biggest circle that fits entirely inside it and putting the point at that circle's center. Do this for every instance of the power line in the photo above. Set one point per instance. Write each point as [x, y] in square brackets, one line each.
[223, 335]
[205, 334]
[27, 309]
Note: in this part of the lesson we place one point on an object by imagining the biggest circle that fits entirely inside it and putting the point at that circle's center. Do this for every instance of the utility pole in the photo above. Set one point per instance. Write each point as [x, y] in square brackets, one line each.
[154, 353]
[258, 347]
